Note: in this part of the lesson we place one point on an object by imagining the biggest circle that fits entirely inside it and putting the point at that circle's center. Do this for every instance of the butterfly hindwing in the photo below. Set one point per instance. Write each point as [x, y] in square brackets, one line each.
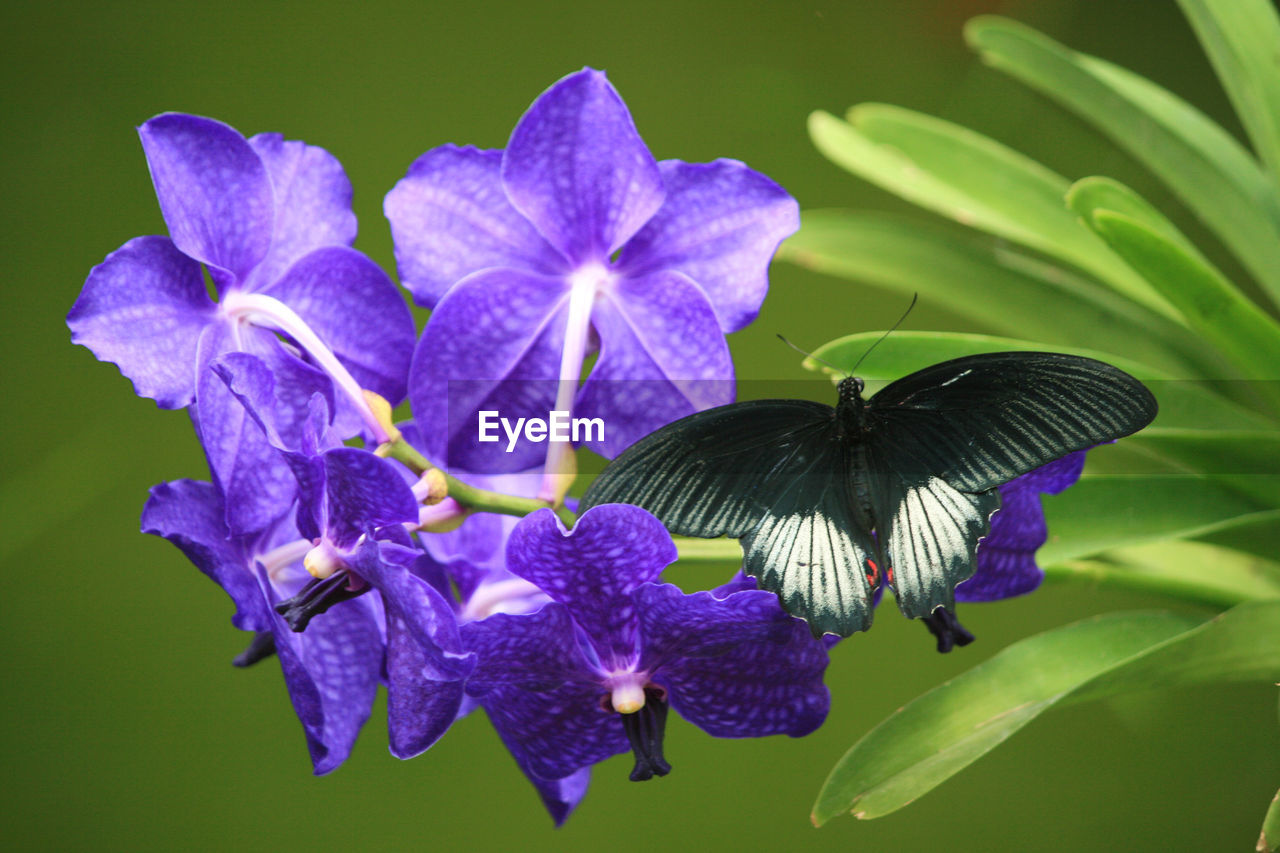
[811, 549]
[982, 420]
[930, 532]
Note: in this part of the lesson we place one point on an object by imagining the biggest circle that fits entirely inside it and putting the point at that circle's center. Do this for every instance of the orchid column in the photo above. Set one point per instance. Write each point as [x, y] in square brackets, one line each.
[574, 239]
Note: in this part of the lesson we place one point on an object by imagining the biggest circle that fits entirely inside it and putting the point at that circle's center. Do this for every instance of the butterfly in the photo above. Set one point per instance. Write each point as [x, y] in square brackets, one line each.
[831, 504]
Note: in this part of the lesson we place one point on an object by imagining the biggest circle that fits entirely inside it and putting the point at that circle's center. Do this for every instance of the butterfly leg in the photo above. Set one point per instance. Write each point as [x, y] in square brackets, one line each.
[944, 625]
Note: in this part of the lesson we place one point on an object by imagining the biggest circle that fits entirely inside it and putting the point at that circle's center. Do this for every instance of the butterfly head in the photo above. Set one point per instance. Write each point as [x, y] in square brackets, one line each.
[850, 389]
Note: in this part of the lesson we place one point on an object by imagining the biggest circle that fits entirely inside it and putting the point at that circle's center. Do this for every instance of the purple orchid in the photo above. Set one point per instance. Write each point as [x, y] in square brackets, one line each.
[353, 507]
[592, 673]
[331, 671]
[271, 221]
[574, 237]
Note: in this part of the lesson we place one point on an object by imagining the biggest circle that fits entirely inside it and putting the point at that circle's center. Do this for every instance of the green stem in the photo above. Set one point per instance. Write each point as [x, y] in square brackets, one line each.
[480, 500]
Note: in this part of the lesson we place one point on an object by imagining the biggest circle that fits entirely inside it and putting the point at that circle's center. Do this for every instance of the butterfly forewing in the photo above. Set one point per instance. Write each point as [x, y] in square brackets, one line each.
[716, 473]
[980, 421]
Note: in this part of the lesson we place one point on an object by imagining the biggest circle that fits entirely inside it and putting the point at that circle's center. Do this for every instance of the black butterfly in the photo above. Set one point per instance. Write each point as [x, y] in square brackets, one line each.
[829, 503]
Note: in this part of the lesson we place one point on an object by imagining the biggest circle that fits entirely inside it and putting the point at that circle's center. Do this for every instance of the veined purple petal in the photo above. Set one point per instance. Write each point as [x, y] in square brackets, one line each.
[592, 569]
[662, 357]
[720, 225]
[493, 343]
[1006, 564]
[760, 676]
[349, 302]
[312, 203]
[557, 732]
[450, 217]
[362, 492]
[332, 671]
[143, 309]
[420, 709]
[190, 514]
[213, 190]
[705, 624]
[578, 170]
[257, 483]
[532, 651]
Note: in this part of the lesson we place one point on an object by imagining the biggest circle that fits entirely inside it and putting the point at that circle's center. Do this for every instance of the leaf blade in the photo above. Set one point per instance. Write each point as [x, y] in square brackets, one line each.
[940, 733]
[973, 180]
[1217, 178]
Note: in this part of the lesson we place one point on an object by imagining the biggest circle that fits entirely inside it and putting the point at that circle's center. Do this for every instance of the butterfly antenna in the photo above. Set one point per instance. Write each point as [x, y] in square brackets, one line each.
[810, 355]
[893, 329]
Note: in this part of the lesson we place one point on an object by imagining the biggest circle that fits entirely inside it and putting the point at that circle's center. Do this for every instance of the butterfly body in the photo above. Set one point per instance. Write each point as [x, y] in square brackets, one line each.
[898, 490]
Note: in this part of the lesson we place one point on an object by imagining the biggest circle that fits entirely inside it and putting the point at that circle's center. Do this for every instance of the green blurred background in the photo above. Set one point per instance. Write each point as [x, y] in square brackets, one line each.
[126, 728]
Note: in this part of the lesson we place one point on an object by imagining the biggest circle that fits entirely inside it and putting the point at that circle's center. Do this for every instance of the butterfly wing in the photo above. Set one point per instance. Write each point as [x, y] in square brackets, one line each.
[772, 473]
[980, 421]
[930, 531]
[941, 440]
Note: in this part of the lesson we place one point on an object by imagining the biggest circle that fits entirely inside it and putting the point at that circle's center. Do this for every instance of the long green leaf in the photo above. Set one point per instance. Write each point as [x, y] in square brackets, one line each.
[1211, 304]
[1269, 840]
[996, 285]
[1100, 513]
[975, 181]
[1195, 571]
[1242, 38]
[1211, 172]
[938, 734]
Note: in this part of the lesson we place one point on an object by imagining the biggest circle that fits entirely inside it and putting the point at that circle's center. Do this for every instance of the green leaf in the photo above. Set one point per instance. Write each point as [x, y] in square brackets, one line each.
[992, 283]
[1247, 460]
[1242, 38]
[1212, 305]
[1183, 404]
[938, 734]
[1194, 571]
[974, 180]
[1255, 534]
[1269, 840]
[1104, 512]
[1211, 172]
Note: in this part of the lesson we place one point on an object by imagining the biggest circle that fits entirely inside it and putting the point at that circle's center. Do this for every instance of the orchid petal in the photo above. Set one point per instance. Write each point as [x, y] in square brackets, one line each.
[493, 343]
[312, 203]
[213, 190]
[331, 670]
[143, 309]
[578, 170]
[450, 217]
[191, 515]
[592, 569]
[741, 672]
[662, 357]
[720, 225]
[349, 302]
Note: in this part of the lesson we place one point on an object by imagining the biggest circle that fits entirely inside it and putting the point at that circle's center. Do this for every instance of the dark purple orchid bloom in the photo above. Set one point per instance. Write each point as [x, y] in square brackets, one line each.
[332, 670]
[352, 510]
[271, 221]
[573, 237]
[592, 673]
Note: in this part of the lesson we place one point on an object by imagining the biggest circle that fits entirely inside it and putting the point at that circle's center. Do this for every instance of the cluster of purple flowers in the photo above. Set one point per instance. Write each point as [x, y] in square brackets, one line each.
[571, 241]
